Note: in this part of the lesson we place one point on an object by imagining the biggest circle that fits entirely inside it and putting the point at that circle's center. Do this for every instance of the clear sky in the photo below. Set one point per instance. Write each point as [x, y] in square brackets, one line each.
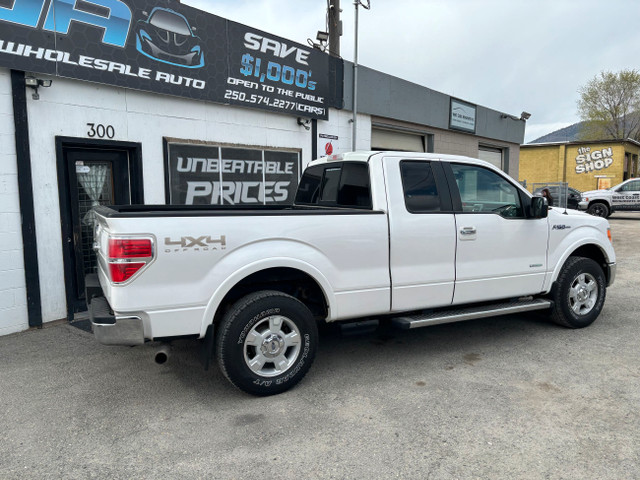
[509, 55]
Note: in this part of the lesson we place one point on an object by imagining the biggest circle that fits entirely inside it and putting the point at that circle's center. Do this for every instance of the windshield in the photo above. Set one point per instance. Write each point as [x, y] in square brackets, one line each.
[170, 21]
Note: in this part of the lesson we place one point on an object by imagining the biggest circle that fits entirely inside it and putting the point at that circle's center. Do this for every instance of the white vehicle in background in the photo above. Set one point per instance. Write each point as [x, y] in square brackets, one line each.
[419, 239]
[623, 197]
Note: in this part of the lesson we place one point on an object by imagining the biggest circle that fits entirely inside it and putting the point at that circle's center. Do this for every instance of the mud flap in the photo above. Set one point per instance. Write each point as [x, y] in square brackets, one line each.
[206, 348]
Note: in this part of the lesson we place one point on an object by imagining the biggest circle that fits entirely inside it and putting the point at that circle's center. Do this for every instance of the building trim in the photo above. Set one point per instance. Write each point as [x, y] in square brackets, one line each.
[580, 142]
[25, 192]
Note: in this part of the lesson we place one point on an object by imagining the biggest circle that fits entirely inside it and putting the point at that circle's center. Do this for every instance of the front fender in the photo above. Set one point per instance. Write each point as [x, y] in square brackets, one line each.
[579, 237]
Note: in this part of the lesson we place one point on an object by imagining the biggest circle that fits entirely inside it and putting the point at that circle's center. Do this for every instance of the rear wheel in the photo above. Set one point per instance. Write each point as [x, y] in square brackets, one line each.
[266, 342]
[598, 209]
[579, 293]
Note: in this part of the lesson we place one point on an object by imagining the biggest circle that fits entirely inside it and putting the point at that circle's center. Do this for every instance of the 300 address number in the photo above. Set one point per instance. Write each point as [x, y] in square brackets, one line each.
[100, 131]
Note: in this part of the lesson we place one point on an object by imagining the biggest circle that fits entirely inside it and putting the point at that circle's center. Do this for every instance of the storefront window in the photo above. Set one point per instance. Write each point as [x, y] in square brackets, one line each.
[215, 175]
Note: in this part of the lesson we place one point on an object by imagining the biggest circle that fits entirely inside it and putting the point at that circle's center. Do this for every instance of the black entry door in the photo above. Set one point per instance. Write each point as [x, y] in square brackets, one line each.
[94, 176]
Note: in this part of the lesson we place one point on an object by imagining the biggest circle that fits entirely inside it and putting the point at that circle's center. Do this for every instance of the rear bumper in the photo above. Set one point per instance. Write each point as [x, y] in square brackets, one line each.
[108, 328]
[112, 330]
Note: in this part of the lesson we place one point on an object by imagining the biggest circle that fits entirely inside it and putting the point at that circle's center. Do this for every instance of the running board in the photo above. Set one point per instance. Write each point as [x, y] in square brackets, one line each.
[470, 313]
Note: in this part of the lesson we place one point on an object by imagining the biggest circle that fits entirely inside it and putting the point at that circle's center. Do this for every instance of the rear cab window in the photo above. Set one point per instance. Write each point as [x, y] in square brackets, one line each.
[343, 185]
[424, 187]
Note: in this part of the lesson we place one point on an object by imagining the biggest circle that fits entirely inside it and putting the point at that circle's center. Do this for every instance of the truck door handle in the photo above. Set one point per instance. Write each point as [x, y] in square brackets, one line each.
[468, 231]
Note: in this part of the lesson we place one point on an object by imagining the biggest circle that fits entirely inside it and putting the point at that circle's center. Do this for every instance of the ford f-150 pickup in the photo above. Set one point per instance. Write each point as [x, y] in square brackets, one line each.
[419, 239]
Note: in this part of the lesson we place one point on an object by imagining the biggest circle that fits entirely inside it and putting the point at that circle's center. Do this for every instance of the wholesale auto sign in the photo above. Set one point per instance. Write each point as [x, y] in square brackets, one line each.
[168, 48]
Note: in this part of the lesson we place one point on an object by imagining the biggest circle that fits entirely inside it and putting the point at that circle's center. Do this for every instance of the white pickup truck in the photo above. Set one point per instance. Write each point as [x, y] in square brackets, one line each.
[602, 203]
[419, 239]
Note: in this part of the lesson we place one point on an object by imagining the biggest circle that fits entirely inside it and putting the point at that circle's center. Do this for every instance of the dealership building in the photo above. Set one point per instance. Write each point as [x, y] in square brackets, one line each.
[107, 102]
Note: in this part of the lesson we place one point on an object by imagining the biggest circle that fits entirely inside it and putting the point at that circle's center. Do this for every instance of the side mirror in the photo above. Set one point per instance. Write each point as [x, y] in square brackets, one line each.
[539, 208]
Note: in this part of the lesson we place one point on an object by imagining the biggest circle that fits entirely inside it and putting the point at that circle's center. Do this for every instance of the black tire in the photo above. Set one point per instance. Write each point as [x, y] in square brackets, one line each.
[579, 293]
[598, 209]
[260, 327]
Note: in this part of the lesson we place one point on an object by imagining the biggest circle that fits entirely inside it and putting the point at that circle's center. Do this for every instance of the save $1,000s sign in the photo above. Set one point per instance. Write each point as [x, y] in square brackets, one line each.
[166, 47]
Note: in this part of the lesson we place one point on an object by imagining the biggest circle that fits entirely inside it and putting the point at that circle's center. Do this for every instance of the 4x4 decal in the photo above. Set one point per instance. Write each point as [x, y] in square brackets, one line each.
[187, 243]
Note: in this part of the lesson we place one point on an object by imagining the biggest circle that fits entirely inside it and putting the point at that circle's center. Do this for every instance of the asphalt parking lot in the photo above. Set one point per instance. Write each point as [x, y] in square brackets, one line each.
[507, 397]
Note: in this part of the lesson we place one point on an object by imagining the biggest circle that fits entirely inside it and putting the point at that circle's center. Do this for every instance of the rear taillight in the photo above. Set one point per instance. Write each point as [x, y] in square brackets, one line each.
[127, 256]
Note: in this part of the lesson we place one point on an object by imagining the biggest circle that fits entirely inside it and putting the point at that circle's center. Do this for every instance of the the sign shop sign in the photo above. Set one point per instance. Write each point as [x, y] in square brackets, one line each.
[588, 160]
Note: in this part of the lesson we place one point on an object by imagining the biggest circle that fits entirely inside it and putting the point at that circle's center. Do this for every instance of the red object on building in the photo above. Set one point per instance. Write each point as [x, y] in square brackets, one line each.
[328, 148]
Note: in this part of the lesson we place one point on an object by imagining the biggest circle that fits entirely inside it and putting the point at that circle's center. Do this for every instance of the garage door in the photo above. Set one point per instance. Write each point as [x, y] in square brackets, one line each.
[491, 155]
[390, 140]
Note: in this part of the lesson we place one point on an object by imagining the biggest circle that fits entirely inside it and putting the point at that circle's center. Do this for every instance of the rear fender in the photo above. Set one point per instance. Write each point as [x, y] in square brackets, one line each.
[231, 280]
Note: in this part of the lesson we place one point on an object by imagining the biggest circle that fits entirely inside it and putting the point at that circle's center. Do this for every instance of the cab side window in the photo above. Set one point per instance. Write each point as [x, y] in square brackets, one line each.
[337, 185]
[419, 185]
[484, 191]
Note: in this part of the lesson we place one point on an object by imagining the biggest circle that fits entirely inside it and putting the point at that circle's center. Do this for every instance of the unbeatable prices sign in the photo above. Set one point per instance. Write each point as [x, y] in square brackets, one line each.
[213, 175]
[165, 47]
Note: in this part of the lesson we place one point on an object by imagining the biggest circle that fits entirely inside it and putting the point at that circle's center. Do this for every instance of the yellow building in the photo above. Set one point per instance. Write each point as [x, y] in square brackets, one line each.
[583, 165]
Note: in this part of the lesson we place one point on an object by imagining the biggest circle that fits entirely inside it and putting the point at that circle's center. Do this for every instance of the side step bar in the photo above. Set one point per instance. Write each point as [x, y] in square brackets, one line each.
[470, 313]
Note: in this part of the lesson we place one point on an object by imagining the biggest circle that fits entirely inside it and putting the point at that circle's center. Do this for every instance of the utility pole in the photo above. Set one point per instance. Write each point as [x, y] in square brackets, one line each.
[335, 27]
[354, 124]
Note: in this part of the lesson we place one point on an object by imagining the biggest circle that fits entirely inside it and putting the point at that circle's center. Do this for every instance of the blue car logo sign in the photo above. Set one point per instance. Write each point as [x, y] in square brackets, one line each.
[167, 37]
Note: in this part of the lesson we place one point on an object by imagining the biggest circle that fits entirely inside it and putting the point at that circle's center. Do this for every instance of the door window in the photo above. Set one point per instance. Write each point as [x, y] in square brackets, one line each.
[95, 187]
[631, 187]
[484, 191]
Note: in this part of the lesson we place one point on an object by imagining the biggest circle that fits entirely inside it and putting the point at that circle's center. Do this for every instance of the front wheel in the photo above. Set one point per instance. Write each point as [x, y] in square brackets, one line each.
[266, 342]
[579, 293]
[598, 209]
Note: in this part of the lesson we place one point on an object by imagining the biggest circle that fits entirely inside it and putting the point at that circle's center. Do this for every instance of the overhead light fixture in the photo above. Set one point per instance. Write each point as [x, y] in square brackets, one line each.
[35, 83]
[524, 116]
[322, 37]
[304, 122]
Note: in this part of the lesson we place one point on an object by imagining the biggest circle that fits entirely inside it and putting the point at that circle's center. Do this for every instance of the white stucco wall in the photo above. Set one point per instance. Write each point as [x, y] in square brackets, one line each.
[13, 298]
[67, 106]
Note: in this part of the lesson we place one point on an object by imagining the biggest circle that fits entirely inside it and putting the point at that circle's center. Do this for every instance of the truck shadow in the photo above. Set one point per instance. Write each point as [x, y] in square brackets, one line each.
[349, 356]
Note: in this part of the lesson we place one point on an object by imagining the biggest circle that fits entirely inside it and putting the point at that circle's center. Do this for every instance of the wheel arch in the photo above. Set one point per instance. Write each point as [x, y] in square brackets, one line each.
[587, 249]
[295, 278]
